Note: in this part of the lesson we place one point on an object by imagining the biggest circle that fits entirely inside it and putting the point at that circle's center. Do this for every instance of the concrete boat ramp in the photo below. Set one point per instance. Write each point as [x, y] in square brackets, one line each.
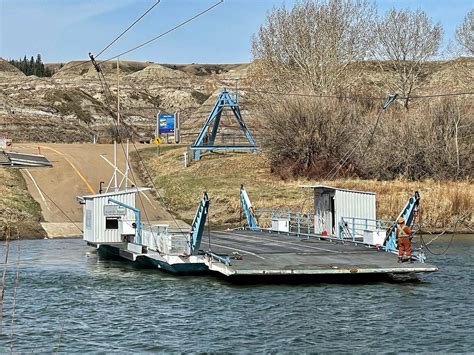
[265, 253]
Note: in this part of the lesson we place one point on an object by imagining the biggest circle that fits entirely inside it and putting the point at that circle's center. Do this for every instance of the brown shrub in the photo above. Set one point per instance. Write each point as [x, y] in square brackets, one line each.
[305, 137]
[431, 141]
[318, 138]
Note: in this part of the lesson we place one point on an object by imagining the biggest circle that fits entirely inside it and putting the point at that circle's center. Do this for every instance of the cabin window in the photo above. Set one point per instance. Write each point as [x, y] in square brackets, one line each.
[111, 223]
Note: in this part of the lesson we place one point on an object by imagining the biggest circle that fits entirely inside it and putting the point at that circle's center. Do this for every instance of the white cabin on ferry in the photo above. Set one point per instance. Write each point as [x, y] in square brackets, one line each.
[108, 222]
[332, 205]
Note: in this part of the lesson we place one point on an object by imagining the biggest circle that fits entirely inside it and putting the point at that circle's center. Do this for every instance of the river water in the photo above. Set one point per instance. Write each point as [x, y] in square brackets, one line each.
[71, 300]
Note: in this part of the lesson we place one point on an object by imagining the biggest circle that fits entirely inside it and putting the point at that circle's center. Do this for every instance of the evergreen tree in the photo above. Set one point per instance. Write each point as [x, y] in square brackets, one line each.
[39, 66]
[24, 65]
[31, 67]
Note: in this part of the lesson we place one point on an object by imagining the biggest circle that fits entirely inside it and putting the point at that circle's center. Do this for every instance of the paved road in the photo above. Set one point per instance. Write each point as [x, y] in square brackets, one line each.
[77, 170]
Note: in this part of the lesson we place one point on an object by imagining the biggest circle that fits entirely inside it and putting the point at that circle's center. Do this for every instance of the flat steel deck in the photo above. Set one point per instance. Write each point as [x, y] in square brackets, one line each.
[265, 253]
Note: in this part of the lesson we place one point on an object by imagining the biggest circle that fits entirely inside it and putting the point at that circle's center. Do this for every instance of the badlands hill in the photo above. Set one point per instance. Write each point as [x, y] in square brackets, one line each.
[70, 106]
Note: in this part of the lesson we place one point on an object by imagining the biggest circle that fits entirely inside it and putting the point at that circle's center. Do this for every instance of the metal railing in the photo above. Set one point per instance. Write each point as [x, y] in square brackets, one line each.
[300, 223]
[354, 228]
[151, 234]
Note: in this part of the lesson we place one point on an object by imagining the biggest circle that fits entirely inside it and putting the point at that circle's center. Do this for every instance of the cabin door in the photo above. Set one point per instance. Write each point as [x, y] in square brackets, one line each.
[323, 218]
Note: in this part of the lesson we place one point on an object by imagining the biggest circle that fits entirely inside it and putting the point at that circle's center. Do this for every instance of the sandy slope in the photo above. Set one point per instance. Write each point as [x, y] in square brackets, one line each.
[77, 170]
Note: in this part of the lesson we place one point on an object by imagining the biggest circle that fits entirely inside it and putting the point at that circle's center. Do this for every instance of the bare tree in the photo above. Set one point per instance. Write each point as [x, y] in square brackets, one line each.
[313, 43]
[465, 33]
[406, 40]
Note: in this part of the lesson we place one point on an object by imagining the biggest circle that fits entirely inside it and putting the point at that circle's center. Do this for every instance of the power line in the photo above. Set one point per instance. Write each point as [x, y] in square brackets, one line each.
[165, 33]
[437, 95]
[151, 40]
[356, 97]
[127, 128]
[60, 209]
[313, 95]
[346, 157]
[128, 28]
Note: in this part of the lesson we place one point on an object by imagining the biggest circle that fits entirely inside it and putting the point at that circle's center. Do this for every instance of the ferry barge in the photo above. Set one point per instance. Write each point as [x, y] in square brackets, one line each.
[340, 238]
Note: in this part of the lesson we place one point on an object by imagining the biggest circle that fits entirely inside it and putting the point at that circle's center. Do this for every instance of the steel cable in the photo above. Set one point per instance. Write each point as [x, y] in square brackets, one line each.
[116, 125]
[164, 33]
[60, 209]
[425, 245]
[149, 41]
[128, 28]
[342, 97]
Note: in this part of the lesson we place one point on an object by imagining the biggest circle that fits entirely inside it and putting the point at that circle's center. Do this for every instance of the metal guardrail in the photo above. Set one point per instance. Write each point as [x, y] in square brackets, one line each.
[300, 223]
[354, 228]
[351, 230]
[303, 224]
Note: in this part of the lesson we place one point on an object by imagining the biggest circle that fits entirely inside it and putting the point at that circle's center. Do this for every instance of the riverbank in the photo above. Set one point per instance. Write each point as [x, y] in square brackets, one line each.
[446, 205]
[18, 210]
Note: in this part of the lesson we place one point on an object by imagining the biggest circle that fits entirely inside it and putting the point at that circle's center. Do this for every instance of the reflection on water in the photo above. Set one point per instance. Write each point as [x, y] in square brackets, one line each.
[65, 291]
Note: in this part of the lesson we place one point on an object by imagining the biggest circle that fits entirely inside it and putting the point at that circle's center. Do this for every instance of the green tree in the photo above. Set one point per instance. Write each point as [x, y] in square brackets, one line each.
[24, 65]
[39, 66]
[31, 66]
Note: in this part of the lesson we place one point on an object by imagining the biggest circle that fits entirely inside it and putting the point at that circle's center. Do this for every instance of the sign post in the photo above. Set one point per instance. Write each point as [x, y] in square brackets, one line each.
[157, 132]
[166, 124]
[177, 129]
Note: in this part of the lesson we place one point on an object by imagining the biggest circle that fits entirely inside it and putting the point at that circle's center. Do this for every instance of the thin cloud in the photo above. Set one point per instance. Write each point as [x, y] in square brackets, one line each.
[87, 10]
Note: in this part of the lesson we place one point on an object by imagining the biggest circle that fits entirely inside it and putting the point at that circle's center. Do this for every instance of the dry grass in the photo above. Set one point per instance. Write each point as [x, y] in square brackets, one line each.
[17, 208]
[442, 202]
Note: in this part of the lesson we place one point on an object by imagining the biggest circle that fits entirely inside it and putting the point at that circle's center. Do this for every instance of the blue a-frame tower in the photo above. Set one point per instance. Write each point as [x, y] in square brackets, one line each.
[206, 139]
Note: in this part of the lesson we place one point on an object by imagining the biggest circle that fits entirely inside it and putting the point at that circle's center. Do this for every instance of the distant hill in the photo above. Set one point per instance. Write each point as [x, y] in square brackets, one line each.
[6, 69]
[69, 106]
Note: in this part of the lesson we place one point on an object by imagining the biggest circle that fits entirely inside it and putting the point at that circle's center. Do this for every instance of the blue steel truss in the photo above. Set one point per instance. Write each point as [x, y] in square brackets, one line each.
[207, 136]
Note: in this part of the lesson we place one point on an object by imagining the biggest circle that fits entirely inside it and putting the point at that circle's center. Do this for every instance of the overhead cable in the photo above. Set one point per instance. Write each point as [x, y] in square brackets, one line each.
[166, 32]
[358, 97]
[128, 28]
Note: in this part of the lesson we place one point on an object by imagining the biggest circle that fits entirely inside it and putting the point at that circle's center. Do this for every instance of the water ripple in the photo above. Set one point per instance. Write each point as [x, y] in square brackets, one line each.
[104, 306]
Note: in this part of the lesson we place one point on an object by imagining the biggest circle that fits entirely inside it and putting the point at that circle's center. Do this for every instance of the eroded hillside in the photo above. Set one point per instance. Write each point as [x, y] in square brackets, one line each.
[70, 106]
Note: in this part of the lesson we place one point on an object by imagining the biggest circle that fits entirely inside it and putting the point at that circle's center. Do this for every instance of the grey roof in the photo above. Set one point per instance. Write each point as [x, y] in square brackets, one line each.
[116, 193]
[332, 188]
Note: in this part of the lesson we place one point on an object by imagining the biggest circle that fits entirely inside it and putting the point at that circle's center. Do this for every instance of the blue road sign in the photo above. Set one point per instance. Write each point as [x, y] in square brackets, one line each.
[166, 123]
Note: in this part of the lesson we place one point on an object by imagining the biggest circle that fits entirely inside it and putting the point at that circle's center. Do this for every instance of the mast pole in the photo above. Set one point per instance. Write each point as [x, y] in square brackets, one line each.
[118, 93]
[126, 167]
[115, 166]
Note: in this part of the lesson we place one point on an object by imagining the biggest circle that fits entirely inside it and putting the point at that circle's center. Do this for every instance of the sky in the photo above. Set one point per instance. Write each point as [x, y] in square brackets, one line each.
[65, 30]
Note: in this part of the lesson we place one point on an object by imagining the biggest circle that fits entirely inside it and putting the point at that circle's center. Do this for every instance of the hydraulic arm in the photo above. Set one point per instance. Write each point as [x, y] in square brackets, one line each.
[247, 208]
[199, 221]
[409, 213]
